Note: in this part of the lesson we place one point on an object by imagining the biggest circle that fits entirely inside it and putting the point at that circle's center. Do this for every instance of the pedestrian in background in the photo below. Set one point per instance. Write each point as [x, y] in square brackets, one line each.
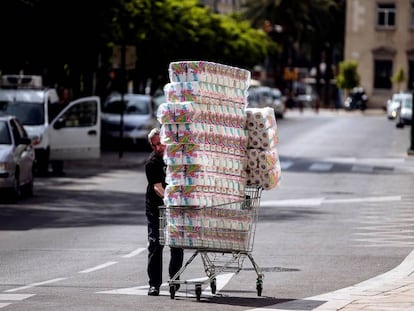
[155, 172]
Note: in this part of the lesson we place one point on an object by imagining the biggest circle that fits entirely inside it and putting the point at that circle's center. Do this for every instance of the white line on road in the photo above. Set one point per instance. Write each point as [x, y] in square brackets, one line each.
[107, 264]
[15, 297]
[319, 201]
[321, 167]
[368, 199]
[221, 281]
[134, 253]
[2, 305]
[34, 285]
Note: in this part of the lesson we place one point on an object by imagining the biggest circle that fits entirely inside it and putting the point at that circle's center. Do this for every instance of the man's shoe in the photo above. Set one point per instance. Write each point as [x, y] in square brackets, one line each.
[153, 291]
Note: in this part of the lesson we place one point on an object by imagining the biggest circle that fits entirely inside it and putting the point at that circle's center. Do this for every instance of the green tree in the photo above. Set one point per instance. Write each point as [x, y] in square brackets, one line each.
[311, 32]
[399, 77]
[68, 42]
[348, 76]
[170, 30]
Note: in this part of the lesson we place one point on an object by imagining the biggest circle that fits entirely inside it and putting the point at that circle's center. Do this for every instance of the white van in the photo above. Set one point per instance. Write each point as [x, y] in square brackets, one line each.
[73, 134]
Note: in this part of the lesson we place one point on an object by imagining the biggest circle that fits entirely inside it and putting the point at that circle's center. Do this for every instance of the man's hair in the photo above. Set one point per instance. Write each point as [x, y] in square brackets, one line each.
[152, 133]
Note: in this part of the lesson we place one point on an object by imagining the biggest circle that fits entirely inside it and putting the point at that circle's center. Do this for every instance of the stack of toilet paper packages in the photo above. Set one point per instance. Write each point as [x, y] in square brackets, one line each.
[263, 164]
[203, 125]
[212, 228]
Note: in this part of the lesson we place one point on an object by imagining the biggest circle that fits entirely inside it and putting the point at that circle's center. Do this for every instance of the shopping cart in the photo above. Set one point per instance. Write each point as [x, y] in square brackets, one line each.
[223, 236]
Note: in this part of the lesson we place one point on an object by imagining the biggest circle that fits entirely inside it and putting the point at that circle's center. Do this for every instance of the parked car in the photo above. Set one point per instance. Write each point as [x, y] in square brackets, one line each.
[405, 110]
[394, 103]
[305, 96]
[74, 133]
[138, 116]
[264, 96]
[17, 158]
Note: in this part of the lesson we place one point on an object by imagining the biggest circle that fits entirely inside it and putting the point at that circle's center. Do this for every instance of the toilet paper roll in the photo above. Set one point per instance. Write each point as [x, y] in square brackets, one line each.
[262, 139]
[260, 118]
[267, 159]
[271, 178]
[254, 177]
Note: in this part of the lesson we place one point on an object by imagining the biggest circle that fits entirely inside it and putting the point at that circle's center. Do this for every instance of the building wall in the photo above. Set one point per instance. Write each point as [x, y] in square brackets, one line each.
[224, 6]
[366, 42]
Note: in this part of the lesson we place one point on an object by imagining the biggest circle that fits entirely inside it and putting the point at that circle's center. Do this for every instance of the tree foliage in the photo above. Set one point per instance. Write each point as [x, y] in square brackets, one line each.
[348, 76]
[69, 42]
[399, 77]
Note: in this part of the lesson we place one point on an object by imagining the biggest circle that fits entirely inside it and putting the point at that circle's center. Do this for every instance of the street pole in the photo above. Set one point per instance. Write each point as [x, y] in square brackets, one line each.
[122, 106]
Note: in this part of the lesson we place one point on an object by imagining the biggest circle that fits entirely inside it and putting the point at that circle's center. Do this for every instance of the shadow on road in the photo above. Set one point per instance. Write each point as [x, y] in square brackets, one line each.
[80, 208]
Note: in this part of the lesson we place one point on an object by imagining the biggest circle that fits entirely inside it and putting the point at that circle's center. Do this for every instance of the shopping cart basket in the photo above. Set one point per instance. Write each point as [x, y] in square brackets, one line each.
[222, 235]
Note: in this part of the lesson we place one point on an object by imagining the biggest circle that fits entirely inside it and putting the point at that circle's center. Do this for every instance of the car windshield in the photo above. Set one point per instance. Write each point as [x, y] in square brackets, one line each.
[407, 103]
[133, 106]
[29, 113]
[5, 138]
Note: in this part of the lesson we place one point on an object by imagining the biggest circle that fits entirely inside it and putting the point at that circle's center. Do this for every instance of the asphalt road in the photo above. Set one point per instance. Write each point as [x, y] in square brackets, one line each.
[342, 214]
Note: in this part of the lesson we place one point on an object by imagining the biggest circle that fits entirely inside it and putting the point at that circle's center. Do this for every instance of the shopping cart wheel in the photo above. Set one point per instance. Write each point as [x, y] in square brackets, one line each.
[172, 291]
[198, 291]
[213, 286]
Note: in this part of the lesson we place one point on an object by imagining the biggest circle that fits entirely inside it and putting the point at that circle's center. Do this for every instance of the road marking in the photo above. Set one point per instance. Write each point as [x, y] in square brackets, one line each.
[362, 168]
[34, 285]
[2, 305]
[364, 200]
[293, 202]
[319, 201]
[221, 281]
[134, 253]
[284, 165]
[104, 265]
[15, 297]
[324, 167]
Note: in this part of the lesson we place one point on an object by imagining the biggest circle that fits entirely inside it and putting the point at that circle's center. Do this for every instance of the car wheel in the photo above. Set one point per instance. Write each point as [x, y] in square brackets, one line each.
[16, 190]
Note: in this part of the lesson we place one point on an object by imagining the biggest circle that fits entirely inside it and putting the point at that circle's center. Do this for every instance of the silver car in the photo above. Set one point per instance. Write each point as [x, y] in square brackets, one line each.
[138, 116]
[405, 110]
[264, 96]
[17, 159]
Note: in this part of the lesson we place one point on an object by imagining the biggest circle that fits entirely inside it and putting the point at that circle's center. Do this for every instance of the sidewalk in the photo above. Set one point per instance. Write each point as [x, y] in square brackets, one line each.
[393, 290]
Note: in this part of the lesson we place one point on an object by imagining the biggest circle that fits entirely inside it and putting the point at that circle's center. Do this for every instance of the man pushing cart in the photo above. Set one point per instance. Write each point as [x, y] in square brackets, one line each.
[220, 155]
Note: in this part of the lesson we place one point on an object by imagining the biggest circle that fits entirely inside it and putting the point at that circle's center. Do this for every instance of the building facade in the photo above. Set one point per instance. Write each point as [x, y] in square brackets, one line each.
[224, 6]
[380, 37]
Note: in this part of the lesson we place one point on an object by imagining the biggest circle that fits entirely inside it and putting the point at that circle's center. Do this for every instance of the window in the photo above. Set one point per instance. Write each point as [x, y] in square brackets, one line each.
[81, 115]
[386, 15]
[410, 81]
[412, 16]
[4, 133]
[382, 74]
